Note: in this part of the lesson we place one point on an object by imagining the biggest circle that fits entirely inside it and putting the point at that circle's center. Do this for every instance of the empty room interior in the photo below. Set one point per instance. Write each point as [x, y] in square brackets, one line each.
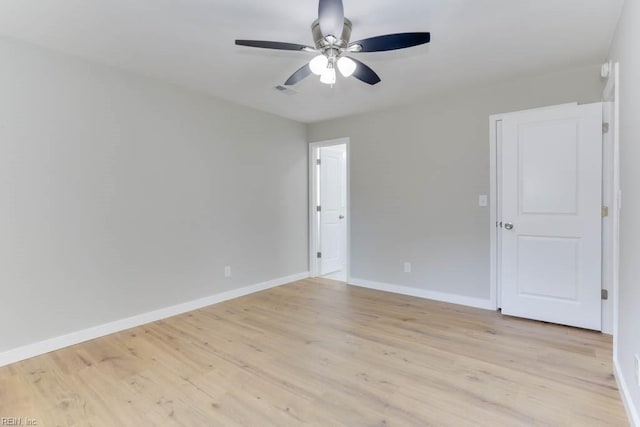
[320, 212]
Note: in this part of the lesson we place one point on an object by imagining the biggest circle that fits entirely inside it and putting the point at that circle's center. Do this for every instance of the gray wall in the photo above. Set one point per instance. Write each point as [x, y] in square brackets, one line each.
[416, 173]
[625, 50]
[120, 195]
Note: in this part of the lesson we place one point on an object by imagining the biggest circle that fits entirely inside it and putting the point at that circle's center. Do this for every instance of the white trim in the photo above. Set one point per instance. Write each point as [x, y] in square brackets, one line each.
[609, 92]
[494, 211]
[611, 189]
[313, 231]
[486, 304]
[612, 93]
[51, 344]
[630, 408]
[607, 222]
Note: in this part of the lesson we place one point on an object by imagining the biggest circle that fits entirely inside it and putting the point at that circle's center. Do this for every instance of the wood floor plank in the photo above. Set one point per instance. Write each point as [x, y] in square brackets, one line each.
[320, 352]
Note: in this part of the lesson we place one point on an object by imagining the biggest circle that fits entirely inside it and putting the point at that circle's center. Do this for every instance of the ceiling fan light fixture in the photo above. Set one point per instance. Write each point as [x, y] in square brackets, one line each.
[319, 64]
[346, 66]
[329, 76]
[332, 39]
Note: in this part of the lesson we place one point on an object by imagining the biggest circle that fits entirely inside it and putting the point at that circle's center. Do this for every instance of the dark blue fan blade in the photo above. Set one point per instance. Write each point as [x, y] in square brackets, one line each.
[331, 16]
[392, 42]
[364, 73]
[299, 75]
[272, 45]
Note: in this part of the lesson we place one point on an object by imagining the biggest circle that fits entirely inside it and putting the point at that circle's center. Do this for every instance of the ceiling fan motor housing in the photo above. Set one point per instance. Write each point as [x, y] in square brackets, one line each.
[321, 42]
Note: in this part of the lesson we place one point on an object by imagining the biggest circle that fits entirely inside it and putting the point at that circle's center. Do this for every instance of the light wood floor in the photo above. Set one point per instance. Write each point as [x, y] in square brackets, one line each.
[318, 352]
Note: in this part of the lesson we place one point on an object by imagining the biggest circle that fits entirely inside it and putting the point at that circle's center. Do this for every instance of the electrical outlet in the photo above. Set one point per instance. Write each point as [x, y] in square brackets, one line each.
[483, 200]
[227, 271]
[407, 267]
[637, 359]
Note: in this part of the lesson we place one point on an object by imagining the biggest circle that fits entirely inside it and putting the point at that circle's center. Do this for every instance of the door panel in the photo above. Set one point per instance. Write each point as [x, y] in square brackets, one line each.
[331, 209]
[548, 267]
[552, 198]
[549, 182]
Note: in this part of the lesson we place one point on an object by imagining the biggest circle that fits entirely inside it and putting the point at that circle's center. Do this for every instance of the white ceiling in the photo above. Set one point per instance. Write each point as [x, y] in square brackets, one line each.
[191, 43]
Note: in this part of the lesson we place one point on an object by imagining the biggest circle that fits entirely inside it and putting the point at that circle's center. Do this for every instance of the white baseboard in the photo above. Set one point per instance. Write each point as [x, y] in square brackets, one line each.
[424, 293]
[42, 347]
[632, 411]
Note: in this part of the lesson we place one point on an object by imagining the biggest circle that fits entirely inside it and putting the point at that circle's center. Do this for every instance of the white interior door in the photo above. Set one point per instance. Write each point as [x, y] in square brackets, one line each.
[332, 213]
[551, 215]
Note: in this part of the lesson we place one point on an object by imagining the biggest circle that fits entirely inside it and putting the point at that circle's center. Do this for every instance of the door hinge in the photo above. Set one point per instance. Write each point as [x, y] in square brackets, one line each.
[605, 211]
[318, 162]
[605, 294]
[319, 255]
[605, 127]
[318, 208]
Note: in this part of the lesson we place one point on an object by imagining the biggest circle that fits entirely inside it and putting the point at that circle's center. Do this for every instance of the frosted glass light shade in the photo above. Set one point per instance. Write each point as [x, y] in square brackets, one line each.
[318, 64]
[346, 66]
[328, 76]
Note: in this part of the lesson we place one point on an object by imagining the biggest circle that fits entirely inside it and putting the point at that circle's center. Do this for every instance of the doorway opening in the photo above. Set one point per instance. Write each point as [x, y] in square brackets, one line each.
[329, 217]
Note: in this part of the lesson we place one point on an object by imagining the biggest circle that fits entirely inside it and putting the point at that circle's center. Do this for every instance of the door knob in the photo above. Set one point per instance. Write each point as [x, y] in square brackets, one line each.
[341, 217]
[508, 226]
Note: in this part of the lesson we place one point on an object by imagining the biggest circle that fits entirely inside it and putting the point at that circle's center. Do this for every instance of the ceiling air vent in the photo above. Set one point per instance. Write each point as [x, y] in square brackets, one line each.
[285, 90]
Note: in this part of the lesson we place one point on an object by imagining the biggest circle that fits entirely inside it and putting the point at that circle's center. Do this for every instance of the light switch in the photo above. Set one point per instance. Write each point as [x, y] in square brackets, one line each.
[483, 201]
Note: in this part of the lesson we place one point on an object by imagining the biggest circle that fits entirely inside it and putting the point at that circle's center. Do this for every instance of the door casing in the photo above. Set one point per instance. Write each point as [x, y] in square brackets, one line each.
[611, 189]
[314, 239]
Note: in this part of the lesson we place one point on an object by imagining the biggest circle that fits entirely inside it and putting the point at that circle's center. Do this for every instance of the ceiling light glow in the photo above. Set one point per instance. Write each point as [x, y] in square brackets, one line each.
[347, 66]
[328, 76]
[318, 64]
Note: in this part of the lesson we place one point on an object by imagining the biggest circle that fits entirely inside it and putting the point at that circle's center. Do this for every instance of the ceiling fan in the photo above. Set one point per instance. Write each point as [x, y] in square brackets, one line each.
[331, 34]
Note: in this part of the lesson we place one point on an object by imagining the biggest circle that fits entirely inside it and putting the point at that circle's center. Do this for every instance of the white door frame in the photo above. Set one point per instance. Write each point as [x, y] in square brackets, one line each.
[611, 96]
[314, 229]
[608, 325]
